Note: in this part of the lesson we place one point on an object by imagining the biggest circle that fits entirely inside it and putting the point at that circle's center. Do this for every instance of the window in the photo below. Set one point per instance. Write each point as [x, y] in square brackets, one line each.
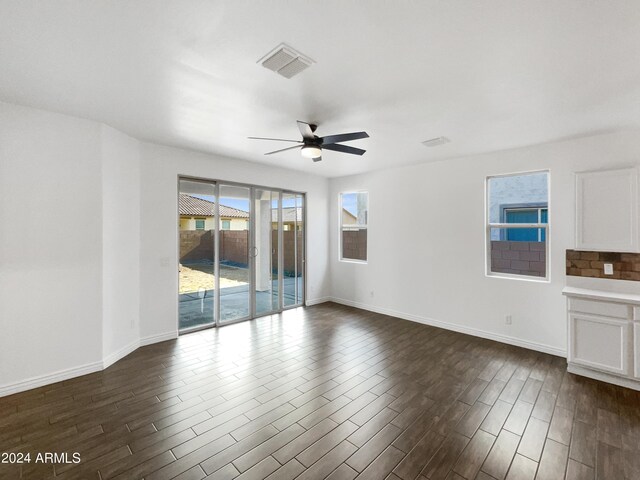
[226, 224]
[354, 213]
[525, 215]
[518, 225]
[199, 223]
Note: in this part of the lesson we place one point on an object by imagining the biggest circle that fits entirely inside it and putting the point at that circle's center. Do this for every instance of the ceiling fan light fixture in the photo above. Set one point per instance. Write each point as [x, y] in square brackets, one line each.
[311, 151]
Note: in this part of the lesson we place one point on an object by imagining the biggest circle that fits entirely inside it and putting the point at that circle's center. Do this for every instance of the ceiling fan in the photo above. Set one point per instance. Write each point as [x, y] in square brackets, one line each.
[311, 145]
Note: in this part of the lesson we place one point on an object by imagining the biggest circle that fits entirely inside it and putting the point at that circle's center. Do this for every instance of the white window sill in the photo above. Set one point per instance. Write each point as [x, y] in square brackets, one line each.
[522, 278]
[348, 260]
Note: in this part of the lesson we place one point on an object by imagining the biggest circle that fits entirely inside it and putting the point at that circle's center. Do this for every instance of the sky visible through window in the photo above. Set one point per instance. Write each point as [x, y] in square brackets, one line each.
[350, 203]
[243, 203]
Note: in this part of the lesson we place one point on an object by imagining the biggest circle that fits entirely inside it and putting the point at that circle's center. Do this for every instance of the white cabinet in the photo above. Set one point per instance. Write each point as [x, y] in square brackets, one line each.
[607, 211]
[636, 351]
[599, 342]
[604, 336]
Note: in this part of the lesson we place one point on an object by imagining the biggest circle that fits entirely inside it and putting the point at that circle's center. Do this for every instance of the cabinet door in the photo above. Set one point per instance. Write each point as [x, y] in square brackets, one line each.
[607, 210]
[599, 343]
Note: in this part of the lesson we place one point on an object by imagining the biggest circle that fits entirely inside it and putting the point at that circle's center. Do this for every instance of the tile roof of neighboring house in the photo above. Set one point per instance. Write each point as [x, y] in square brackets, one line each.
[289, 215]
[344, 210]
[197, 206]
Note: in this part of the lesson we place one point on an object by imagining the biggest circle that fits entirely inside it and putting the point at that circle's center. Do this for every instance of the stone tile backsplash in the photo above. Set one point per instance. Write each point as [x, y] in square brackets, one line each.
[626, 266]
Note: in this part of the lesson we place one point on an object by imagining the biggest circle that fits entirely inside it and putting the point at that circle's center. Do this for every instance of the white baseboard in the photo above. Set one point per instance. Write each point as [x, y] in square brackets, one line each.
[317, 301]
[540, 347]
[603, 377]
[59, 376]
[42, 380]
[161, 337]
[123, 352]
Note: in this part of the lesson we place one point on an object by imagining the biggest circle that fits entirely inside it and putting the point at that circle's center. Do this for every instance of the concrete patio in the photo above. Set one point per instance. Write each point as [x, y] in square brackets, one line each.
[196, 308]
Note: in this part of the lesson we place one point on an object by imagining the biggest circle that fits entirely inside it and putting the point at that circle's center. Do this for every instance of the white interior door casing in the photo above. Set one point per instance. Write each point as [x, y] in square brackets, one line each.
[607, 210]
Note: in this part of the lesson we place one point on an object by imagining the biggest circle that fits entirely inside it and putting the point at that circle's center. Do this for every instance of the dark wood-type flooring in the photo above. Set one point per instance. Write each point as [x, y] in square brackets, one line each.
[328, 392]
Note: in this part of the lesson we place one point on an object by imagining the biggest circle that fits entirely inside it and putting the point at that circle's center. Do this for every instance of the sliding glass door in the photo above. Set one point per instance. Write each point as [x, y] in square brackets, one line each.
[266, 251]
[233, 252]
[241, 252]
[196, 202]
[293, 248]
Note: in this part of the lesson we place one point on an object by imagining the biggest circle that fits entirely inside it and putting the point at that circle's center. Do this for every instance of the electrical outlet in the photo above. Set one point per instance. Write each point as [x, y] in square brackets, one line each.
[608, 268]
[507, 320]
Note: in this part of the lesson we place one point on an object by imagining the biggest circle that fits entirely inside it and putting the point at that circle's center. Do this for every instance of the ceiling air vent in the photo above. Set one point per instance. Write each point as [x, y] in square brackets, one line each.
[286, 61]
[434, 142]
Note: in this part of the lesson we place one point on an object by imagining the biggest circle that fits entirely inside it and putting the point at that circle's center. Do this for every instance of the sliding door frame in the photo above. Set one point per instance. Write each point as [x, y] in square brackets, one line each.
[280, 254]
[215, 264]
[252, 258]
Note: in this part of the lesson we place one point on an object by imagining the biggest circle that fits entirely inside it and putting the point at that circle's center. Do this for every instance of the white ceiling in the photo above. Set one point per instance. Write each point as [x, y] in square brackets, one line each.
[489, 75]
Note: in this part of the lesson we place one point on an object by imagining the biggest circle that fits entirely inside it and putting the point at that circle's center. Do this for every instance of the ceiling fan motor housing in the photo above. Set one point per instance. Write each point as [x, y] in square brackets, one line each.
[315, 142]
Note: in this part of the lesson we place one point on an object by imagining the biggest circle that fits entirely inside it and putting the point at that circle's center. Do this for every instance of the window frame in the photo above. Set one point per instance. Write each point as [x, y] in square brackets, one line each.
[222, 224]
[503, 225]
[204, 223]
[341, 227]
[521, 207]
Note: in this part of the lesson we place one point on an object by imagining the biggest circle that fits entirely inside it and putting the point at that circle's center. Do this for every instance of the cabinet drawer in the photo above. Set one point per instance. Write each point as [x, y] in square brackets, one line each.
[599, 343]
[595, 307]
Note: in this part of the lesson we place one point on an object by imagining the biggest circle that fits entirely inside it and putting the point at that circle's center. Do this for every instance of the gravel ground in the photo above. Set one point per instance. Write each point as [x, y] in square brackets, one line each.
[194, 277]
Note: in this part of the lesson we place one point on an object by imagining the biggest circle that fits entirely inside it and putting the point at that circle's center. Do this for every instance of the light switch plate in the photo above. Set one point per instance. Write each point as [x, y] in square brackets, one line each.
[608, 268]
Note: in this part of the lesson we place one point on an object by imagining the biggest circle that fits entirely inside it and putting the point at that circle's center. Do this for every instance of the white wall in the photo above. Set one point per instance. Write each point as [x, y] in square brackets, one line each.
[89, 242]
[50, 244]
[120, 243]
[434, 270]
[89, 245]
[159, 255]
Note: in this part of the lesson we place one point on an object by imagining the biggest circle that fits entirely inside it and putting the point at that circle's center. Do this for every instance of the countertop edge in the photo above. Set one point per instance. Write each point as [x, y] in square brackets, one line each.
[601, 295]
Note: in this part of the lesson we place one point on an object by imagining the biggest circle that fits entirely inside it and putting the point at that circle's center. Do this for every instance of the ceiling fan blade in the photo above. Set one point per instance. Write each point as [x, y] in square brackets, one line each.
[317, 159]
[344, 137]
[343, 148]
[305, 130]
[276, 139]
[282, 150]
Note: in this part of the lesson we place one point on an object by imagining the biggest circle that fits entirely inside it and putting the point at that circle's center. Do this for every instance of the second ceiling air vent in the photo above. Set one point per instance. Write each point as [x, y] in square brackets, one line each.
[286, 61]
[434, 142]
